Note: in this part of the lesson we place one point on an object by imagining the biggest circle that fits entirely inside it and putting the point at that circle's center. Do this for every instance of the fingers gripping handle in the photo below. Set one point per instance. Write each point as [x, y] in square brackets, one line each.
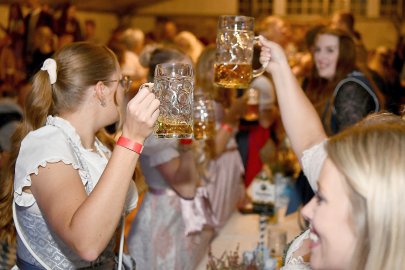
[259, 71]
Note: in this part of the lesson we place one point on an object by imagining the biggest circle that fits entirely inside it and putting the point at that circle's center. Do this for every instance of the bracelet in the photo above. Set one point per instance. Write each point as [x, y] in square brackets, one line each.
[186, 141]
[130, 144]
[185, 145]
[227, 127]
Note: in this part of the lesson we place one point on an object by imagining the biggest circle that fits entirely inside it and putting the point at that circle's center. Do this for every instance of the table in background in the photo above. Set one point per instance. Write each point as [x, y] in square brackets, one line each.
[243, 229]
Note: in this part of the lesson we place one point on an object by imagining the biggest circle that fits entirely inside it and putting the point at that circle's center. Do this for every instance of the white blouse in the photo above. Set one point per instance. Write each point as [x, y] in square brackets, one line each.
[57, 141]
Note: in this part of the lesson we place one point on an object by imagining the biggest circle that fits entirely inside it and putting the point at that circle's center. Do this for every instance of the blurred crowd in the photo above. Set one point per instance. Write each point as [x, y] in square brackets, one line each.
[322, 57]
[28, 39]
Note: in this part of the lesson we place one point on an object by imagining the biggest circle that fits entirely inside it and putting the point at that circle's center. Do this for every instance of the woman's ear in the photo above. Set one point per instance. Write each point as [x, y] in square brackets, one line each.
[99, 93]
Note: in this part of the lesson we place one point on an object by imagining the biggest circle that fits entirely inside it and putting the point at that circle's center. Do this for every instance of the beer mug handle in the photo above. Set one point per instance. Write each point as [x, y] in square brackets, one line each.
[259, 71]
[147, 85]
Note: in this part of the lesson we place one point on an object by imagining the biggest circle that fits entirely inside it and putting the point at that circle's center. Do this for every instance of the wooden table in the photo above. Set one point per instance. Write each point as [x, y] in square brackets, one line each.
[244, 230]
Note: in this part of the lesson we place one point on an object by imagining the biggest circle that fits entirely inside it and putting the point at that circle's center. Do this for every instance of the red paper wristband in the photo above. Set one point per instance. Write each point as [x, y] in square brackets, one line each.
[227, 127]
[186, 141]
[130, 144]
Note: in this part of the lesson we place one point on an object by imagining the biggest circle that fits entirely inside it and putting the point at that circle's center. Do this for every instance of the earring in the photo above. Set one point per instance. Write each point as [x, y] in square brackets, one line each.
[102, 103]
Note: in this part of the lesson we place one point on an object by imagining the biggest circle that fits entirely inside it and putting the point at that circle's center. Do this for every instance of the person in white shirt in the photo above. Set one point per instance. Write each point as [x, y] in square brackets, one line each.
[71, 191]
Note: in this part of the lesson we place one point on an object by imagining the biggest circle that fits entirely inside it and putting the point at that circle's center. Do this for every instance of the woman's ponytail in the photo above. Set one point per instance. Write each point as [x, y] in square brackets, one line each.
[37, 107]
[39, 101]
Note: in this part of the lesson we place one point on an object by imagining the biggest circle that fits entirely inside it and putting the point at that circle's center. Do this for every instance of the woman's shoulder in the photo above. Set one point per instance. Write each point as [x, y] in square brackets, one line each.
[44, 143]
[312, 160]
[358, 77]
[47, 135]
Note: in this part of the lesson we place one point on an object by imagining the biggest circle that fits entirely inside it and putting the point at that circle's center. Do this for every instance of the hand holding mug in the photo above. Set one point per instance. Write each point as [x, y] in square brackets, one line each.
[272, 55]
[141, 114]
[174, 86]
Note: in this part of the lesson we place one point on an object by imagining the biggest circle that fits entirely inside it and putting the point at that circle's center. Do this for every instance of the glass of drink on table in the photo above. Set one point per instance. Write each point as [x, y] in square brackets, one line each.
[204, 118]
[252, 109]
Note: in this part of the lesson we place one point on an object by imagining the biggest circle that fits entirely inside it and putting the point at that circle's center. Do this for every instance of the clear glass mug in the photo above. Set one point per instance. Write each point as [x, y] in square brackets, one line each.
[234, 53]
[173, 85]
[252, 110]
[204, 118]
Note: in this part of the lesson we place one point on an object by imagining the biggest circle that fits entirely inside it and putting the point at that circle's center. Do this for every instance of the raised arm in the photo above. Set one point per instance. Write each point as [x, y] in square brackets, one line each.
[300, 120]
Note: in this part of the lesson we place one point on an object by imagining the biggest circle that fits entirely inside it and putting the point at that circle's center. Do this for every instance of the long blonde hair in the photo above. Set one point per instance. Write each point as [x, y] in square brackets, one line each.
[204, 71]
[79, 65]
[372, 159]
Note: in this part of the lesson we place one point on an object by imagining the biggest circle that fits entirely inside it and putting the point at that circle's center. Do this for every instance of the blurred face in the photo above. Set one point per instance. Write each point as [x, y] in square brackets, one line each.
[170, 30]
[14, 11]
[326, 54]
[284, 32]
[71, 13]
[337, 23]
[33, 3]
[278, 32]
[90, 29]
[329, 213]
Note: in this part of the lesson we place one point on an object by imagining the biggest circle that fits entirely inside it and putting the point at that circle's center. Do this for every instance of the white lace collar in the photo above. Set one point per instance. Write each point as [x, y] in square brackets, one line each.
[67, 128]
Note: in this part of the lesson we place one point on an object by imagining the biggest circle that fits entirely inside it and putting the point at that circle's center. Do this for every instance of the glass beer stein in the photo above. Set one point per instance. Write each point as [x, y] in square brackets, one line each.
[204, 118]
[173, 86]
[235, 42]
[252, 110]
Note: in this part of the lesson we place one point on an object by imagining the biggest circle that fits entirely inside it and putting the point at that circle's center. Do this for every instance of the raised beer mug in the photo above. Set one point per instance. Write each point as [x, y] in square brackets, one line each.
[173, 86]
[235, 42]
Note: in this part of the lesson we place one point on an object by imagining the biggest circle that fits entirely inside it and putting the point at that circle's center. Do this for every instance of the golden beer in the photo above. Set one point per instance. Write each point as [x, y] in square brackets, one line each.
[252, 112]
[169, 128]
[174, 86]
[233, 75]
[252, 108]
[204, 130]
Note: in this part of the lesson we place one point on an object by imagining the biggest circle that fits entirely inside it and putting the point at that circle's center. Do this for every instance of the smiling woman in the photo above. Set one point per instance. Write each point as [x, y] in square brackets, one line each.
[351, 206]
[334, 56]
[356, 219]
[328, 214]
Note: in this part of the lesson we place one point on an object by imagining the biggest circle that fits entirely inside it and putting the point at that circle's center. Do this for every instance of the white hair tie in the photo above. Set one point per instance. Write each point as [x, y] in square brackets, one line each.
[50, 66]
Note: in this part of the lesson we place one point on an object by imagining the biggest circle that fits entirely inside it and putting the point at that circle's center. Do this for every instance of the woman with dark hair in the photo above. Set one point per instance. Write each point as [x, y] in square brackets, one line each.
[341, 93]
